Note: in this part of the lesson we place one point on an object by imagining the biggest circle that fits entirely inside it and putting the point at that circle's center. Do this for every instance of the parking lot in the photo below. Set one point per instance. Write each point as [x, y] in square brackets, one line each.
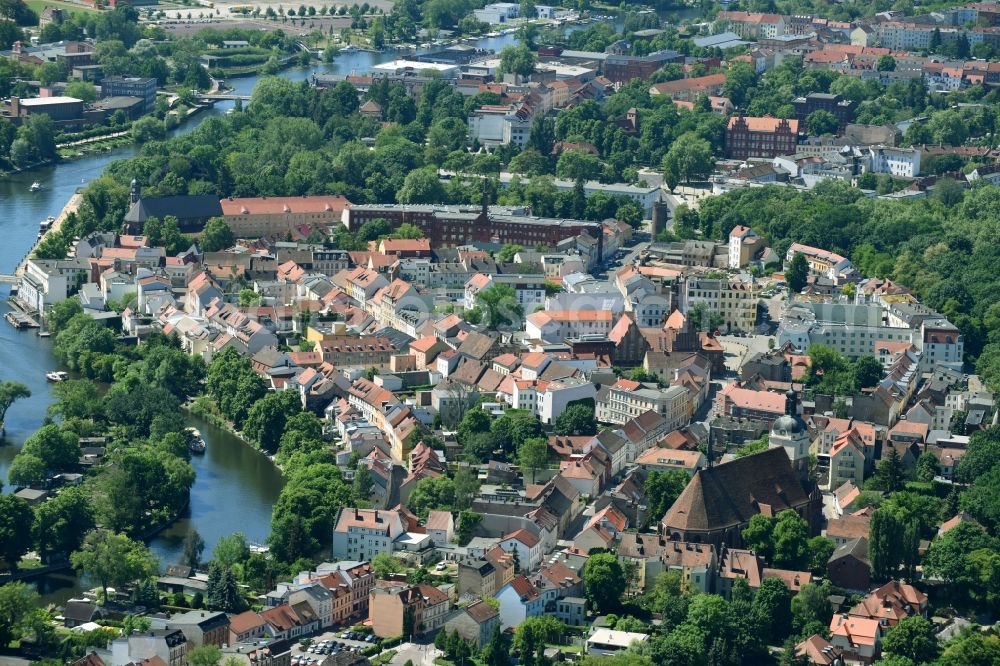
[330, 642]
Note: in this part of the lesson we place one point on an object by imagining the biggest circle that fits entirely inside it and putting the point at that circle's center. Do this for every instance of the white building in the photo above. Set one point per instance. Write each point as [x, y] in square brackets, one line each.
[360, 534]
[494, 125]
[626, 399]
[901, 162]
[529, 290]
[559, 325]
[558, 394]
[49, 281]
[498, 12]
[733, 298]
[607, 642]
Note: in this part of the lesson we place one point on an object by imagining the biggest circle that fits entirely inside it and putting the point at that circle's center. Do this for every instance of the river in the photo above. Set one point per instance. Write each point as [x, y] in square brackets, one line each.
[235, 486]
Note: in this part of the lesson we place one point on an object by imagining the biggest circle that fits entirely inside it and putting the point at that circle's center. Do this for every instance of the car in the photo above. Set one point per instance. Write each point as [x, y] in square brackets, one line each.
[370, 639]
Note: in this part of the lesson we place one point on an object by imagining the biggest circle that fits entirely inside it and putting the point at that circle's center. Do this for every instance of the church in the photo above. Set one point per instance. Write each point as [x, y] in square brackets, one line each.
[720, 500]
[192, 211]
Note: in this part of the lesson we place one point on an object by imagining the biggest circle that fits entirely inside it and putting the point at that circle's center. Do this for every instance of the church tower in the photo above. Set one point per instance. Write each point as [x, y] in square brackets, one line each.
[136, 191]
[790, 433]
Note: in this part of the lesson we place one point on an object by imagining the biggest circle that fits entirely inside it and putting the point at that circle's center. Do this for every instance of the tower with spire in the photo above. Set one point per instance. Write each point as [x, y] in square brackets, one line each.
[789, 432]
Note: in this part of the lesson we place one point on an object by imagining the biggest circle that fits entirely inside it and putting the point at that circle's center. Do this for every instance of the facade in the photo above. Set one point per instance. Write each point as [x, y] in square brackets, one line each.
[748, 137]
[450, 226]
[519, 600]
[131, 86]
[48, 281]
[735, 299]
[901, 162]
[360, 534]
[475, 623]
[842, 109]
[496, 125]
[273, 216]
[626, 399]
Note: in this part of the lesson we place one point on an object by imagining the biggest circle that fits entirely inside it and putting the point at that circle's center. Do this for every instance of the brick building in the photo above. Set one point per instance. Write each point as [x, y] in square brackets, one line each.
[450, 226]
[760, 137]
[842, 109]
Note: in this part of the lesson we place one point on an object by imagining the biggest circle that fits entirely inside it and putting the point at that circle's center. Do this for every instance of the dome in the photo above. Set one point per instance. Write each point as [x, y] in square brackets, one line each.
[787, 425]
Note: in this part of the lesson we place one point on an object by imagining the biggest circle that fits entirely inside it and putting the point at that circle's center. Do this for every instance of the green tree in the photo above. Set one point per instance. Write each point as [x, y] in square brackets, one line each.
[885, 63]
[216, 235]
[468, 521]
[27, 470]
[231, 550]
[771, 610]
[885, 544]
[82, 90]
[385, 565]
[758, 536]
[422, 186]
[11, 391]
[603, 581]
[798, 271]
[113, 559]
[867, 372]
[17, 601]
[518, 60]
[55, 448]
[192, 548]
[662, 490]
[890, 474]
[15, 529]
[927, 467]
[791, 533]
[578, 165]
[62, 522]
[500, 303]
[221, 592]
[432, 494]
[577, 419]
[265, 421]
[821, 122]
[689, 157]
[811, 609]
[533, 454]
[914, 638]
[205, 655]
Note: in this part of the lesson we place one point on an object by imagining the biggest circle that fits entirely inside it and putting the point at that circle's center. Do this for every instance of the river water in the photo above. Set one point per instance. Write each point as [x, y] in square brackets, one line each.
[235, 486]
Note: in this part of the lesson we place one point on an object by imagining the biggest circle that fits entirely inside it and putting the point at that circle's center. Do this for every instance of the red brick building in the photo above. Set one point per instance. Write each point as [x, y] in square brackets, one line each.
[450, 226]
[760, 137]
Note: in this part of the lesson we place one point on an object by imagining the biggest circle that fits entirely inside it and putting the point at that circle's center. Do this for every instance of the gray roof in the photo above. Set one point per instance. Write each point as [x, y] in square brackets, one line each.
[183, 207]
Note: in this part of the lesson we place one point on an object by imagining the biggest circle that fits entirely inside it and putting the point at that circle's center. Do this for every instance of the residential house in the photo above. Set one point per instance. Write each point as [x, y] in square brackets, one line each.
[860, 639]
[475, 622]
[519, 600]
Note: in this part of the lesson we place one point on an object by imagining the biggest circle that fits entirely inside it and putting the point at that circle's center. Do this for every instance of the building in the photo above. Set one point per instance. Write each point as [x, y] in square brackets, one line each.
[475, 623]
[860, 639]
[689, 90]
[48, 281]
[360, 534]
[748, 137]
[192, 211]
[752, 25]
[734, 299]
[719, 501]
[200, 627]
[60, 109]
[519, 600]
[500, 124]
[277, 216]
[901, 162]
[131, 86]
[626, 399]
[451, 226]
[606, 642]
[407, 610]
[624, 68]
[498, 12]
[842, 109]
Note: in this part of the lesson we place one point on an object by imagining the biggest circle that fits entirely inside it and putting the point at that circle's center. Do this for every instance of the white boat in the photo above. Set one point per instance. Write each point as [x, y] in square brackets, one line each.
[349, 48]
[56, 376]
[195, 442]
[35, 186]
[47, 223]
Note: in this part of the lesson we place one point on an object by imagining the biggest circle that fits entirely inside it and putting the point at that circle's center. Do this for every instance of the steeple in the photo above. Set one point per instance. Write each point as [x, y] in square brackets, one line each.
[790, 433]
[136, 191]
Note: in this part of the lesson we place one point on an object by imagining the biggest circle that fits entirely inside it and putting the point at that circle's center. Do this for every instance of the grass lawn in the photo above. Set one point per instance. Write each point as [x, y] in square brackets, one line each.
[39, 5]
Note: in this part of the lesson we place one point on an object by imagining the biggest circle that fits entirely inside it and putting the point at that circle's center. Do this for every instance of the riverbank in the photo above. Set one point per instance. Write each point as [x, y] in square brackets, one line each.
[71, 207]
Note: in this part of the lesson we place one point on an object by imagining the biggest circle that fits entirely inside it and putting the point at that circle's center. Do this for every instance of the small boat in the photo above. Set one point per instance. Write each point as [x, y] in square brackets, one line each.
[56, 376]
[35, 186]
[195, 442]
[348, 49]
[47, 223]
